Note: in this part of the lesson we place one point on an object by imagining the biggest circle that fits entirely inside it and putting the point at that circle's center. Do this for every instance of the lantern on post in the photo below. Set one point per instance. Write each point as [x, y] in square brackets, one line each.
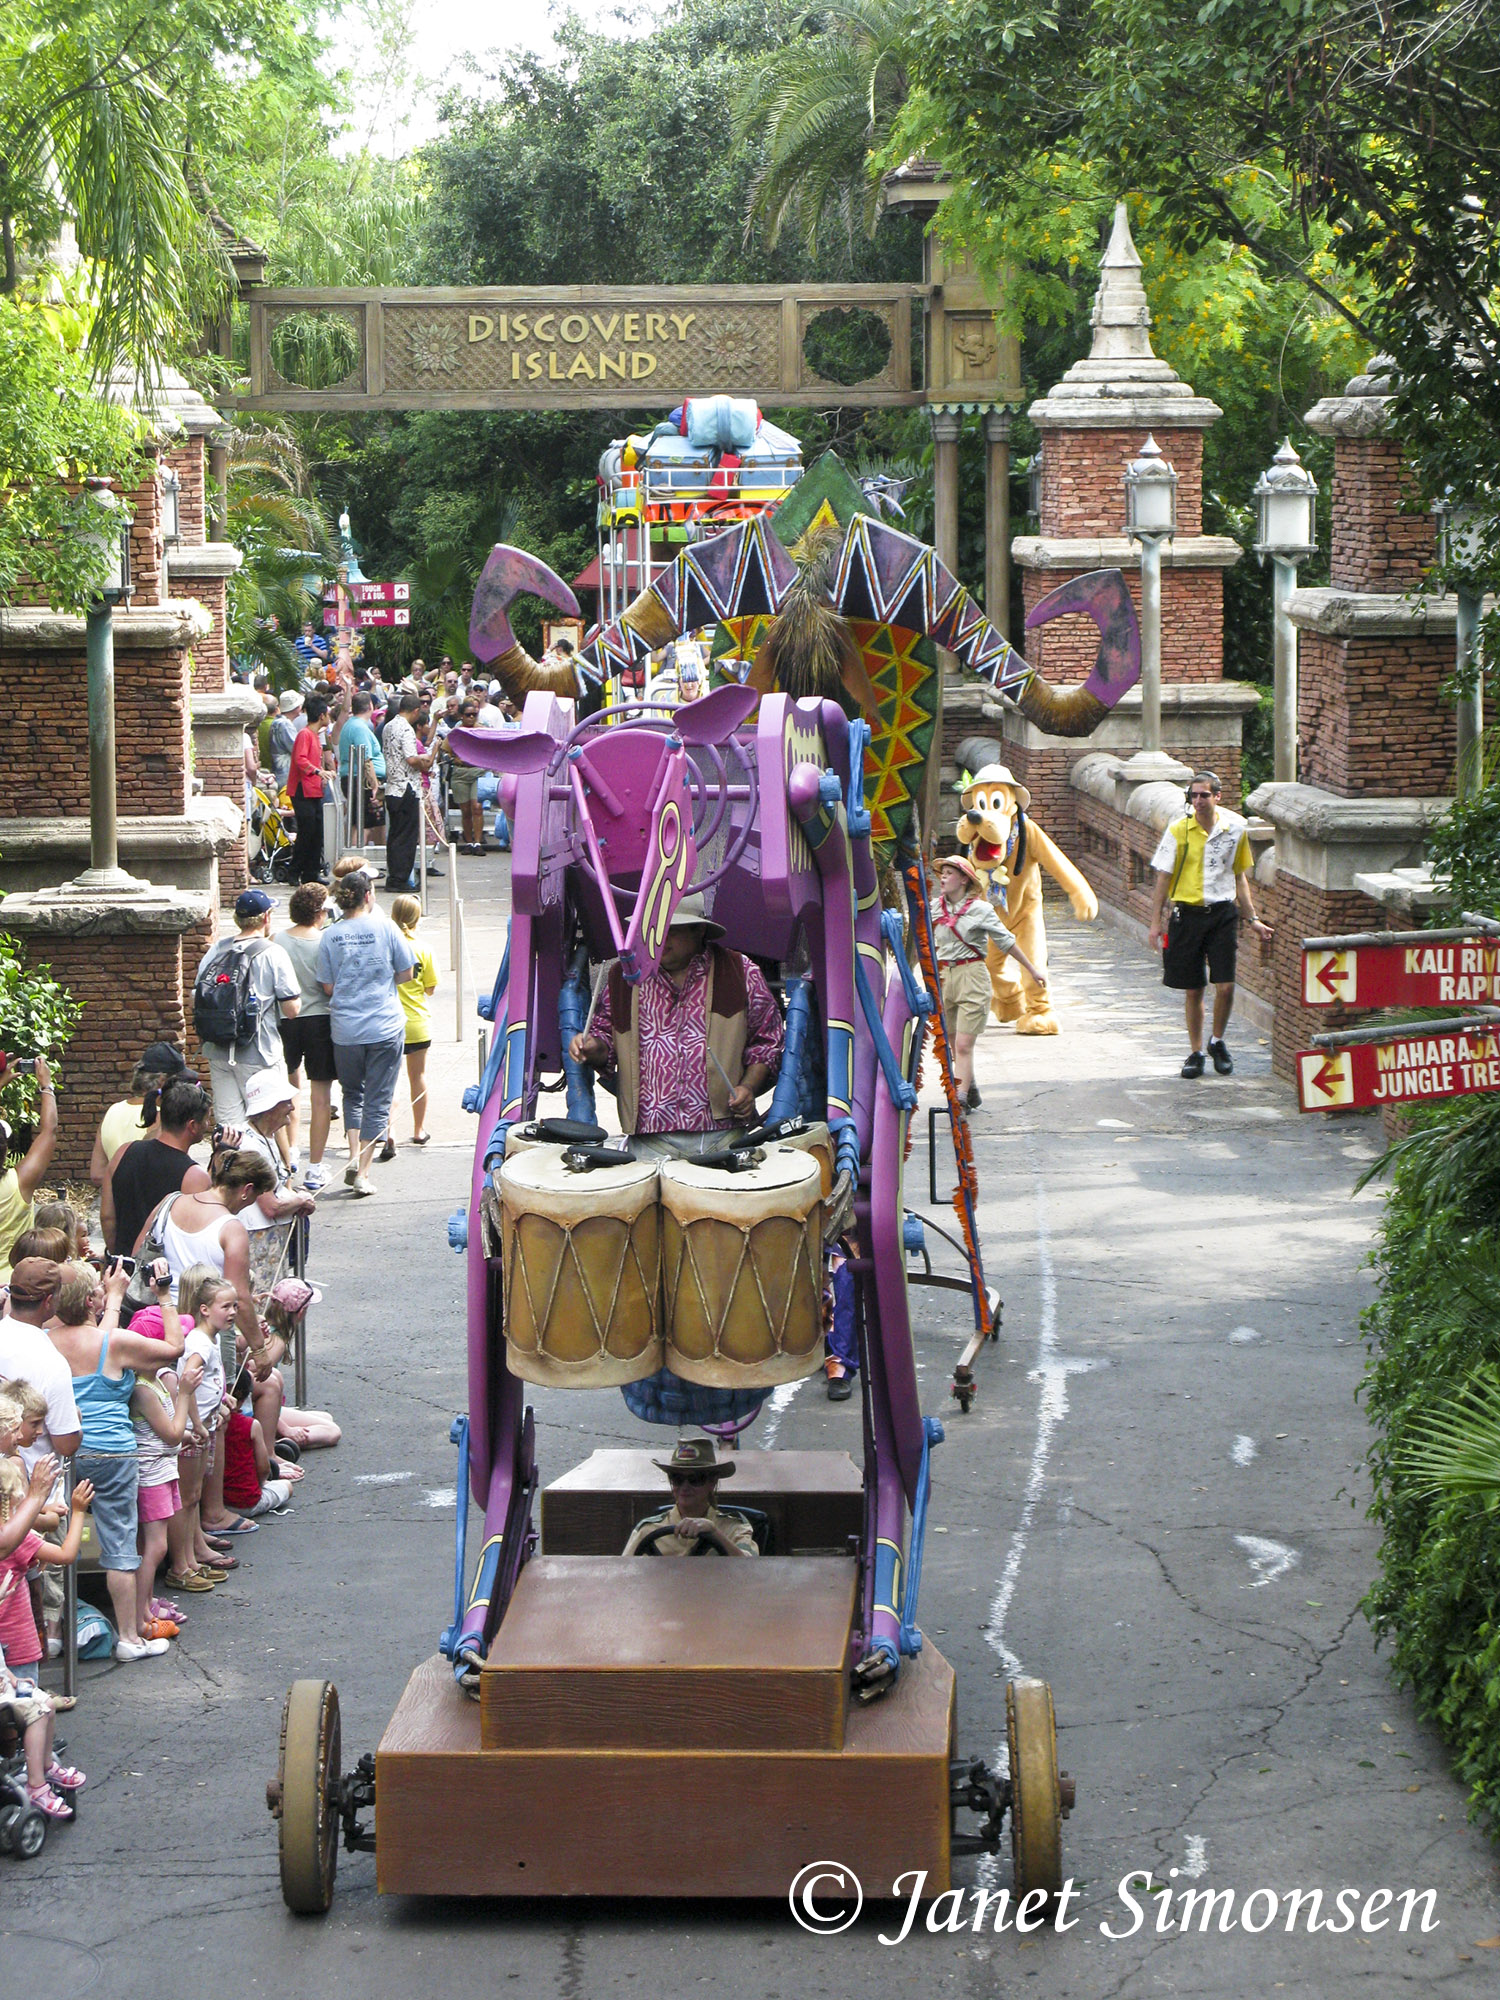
[1035, 481]
[1460, 547]
[107, 528]
[1286, 513]
[171, 506]
[1150, 519]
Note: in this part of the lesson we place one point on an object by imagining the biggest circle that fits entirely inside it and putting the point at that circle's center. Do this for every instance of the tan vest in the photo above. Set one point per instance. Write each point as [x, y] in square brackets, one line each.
[726, 1007]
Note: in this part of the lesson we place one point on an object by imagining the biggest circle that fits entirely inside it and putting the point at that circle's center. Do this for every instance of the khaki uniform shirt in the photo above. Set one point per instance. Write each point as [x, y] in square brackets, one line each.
[730, 1525]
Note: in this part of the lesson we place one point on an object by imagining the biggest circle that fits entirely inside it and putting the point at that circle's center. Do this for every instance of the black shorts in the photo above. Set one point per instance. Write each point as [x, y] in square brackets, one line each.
[1201, 939]
[309, 1041]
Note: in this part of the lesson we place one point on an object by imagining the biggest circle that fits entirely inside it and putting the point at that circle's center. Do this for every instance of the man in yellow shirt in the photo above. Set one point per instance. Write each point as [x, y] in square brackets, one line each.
[1203, 865]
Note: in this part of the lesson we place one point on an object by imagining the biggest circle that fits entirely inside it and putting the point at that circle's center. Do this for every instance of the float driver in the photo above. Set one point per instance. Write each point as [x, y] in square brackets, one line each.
[695, 1043]
[693, 1519]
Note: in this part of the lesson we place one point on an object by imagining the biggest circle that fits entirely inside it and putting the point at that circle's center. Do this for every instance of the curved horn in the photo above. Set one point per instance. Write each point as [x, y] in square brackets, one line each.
[511, 573]
[1104, 596]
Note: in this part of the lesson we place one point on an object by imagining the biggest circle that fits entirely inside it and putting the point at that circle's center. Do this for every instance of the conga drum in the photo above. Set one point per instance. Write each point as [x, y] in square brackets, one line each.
[580, 1270]
[742, 1270]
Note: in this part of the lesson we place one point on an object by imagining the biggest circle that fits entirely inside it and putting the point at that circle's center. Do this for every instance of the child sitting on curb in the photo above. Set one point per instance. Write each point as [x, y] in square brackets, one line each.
[249, 1485]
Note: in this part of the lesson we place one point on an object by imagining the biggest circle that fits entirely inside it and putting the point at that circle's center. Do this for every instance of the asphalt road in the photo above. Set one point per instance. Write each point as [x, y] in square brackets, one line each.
[1157, 1504]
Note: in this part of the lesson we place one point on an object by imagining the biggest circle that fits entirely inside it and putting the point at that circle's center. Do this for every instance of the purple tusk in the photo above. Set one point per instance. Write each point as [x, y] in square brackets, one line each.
[1104, 596]
[511, 573]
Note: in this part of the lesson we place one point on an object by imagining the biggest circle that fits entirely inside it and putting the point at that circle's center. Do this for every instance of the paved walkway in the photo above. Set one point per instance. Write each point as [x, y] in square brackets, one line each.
[1157, 1503]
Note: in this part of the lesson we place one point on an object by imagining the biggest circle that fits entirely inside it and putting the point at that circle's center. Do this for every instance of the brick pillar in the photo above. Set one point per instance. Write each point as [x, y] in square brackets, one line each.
[123, 959]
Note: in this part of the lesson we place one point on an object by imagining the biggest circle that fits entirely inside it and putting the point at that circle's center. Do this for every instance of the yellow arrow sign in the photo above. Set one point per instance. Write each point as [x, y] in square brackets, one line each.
[1326, 976]
[1324, 1082]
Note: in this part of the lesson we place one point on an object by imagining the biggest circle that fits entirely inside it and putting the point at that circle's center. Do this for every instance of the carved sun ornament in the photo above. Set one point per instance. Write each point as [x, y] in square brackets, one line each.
[434, 348]
[729, 349]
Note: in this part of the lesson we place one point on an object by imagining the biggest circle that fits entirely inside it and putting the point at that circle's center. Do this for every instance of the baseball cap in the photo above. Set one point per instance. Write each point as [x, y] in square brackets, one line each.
[34, 1279]
[252, 903]
[161, 1059]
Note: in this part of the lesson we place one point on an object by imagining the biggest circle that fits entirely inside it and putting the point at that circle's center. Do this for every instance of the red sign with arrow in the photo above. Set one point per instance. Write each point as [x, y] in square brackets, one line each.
[1416, 1067]
[370, 593]
[1441, 973]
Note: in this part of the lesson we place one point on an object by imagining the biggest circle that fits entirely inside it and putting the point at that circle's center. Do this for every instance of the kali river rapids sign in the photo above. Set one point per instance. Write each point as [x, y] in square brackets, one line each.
[593, 346]
[1413, 1068]
[1434, 972]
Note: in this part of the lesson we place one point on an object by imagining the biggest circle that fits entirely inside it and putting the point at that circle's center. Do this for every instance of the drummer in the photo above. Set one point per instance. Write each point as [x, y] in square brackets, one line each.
[695, 1043]
[694, 1471]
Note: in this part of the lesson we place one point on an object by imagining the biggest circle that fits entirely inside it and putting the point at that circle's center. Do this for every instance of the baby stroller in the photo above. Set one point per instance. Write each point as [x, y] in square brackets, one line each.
[23, 1826]
[271, 833]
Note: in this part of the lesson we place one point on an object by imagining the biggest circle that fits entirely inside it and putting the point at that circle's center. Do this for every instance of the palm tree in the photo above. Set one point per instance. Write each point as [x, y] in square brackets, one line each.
[280, 529]
[91, 127]
[1457, 1448]
[818, 107]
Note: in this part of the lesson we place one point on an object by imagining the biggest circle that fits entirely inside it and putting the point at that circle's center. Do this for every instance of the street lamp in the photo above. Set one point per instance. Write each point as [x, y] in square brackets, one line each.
[1036, 481]
[1286, 511]
[1150, 519]
[171, 506]
[1460, 544]
[108, 531]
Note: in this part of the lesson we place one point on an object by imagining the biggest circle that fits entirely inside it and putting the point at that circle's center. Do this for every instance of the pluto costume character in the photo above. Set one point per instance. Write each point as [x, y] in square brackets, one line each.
[1009, 851]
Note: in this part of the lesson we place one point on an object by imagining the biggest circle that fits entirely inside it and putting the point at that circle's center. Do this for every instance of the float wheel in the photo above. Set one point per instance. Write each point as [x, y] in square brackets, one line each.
[1036, 1804]
[308, 1782]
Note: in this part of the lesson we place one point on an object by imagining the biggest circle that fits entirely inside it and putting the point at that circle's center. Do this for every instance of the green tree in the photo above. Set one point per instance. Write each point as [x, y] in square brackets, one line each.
[1285, 129]
[818, 109]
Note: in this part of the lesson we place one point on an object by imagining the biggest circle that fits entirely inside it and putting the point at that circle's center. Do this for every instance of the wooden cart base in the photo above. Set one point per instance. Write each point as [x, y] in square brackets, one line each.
[452, 1819]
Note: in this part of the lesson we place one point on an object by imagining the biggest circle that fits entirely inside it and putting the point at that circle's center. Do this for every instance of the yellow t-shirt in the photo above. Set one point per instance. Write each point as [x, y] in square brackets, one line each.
[120, 1126]
[415, 993]
[16, 1211]
[1204, 866]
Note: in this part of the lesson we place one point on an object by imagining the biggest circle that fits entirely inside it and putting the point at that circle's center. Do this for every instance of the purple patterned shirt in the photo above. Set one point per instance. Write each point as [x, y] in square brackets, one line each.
[673, 1022]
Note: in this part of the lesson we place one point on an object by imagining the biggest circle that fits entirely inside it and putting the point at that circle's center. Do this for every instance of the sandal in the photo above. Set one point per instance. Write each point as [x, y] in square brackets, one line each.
[217, 1567]
[238, 1526]
[425, 1139]
[47, 1801]
[163, 1607]
[159, 1628]
[63, 1778]
[195, 1580]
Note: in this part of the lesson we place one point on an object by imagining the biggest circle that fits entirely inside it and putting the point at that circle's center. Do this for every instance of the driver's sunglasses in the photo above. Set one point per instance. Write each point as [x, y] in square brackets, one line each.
[689, 1478]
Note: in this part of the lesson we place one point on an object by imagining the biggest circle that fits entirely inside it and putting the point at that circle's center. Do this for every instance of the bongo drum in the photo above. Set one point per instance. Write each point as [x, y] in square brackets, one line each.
[742, 1270]
[580, 1270]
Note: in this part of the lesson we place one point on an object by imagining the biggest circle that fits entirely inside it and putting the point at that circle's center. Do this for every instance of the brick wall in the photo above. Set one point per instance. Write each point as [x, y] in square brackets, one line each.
[1055, 804]
[211, 653]
[1370, 719]
[1192, 627]
[1375, 545]
[1296, 910]
[187, 460]
[147, 573]
[1083, 479]
[224, 778]
[1115, 855]
[131, 990]
[44, 732]
[195, 943]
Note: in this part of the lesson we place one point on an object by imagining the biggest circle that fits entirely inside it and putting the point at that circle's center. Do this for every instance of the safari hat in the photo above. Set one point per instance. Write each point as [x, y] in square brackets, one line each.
[964, 867]
[691, 915]
[290, 702]
[696, 1455]
[999, 774]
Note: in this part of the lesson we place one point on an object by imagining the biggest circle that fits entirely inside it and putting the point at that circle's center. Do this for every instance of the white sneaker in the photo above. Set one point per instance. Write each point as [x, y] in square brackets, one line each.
[54, 1647]
[139, 1649]
[361, 1186]
[315, 1179]
[294, 1159]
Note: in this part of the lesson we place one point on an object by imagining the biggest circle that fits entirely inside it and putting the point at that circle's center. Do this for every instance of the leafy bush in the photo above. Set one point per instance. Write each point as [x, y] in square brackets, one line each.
[1435, 1326]
[37, 1017]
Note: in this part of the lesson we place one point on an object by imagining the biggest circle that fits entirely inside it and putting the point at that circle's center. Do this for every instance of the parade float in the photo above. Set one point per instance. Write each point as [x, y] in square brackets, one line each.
[578, 1696]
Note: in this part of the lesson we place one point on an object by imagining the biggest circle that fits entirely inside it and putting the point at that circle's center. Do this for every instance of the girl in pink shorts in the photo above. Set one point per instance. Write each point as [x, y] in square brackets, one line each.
[162, 1408]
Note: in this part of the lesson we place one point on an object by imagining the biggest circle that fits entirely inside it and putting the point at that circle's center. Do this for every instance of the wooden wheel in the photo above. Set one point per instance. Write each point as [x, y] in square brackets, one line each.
[308, 1783]
[1036, 1810]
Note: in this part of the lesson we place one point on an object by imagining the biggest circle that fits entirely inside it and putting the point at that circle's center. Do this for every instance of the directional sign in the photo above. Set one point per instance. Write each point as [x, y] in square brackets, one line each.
[371, 593]
[367, 616]
[1403, 975]
[1410, 1069]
